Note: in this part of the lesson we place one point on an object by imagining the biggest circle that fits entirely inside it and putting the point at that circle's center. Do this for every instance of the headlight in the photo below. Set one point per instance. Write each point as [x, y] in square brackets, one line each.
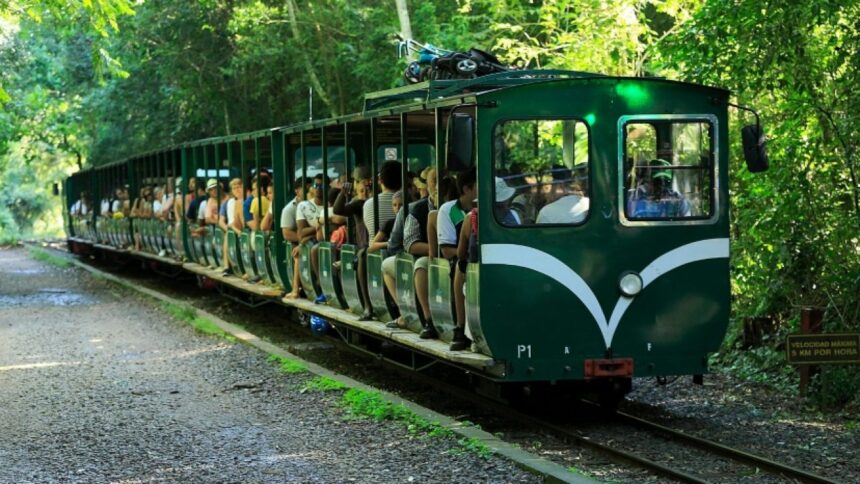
[630, 284]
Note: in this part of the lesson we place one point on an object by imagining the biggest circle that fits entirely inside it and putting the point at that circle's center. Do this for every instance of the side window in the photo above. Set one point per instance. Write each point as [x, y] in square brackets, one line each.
[541, 168]
[669, 170]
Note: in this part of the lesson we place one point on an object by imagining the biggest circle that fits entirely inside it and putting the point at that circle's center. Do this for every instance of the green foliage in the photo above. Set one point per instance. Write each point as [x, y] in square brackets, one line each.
[323, 384]
[287, 365]
[45, 256]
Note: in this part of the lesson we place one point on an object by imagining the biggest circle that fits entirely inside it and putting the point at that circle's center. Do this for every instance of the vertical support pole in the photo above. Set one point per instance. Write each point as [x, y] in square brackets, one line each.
[324, 146]
[374, 173]
[349, 166]
[404, 166]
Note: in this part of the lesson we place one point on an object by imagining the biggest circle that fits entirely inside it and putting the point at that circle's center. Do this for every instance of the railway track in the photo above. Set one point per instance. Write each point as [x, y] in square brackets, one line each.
[575, 434]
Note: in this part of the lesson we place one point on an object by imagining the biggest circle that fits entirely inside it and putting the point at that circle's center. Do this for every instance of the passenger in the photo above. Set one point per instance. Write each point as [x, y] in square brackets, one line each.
[193, 200]
[104, 207]
[421, 182]
[389, 182]
[360, 191]
[167, 201]
[156, 200]
[416, 242]
[654, 197]
[568, 204]
[395, 246]
[256, 205]
[452, 213]
[467, 252]
[258, 212]
[337, 236]
[380, 241]
[308, 214]
[414, 194]
[227, 220]
[116, 203]
[290, 232]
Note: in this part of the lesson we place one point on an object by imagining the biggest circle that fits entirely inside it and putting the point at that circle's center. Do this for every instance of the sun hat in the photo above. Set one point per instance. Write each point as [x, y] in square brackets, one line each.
[212, 183]
[503, 191]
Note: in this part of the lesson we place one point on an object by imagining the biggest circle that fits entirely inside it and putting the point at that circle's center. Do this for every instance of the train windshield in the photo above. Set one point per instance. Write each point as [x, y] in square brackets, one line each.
[669, 170]
[542, 169]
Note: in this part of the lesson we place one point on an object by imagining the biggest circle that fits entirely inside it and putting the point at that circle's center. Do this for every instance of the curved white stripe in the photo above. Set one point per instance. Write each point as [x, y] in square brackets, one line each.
[692, 252]
[539, 261]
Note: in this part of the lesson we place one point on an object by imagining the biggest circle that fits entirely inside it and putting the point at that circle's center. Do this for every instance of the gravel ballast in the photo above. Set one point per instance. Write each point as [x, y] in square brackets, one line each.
[98, 384]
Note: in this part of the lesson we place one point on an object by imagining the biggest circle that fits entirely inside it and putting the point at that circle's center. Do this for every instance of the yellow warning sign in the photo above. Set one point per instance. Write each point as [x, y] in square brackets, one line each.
[823, 349]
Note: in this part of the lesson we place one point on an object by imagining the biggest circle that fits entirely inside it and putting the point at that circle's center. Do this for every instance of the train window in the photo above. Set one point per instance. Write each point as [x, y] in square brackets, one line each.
[669, 173]
[544, 166]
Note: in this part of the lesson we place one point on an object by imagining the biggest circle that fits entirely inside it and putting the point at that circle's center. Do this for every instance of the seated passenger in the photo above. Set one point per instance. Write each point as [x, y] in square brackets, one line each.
[167, 201]
[350, 203]
[308, 214]
[259, 205]
[654, 197]
[468, 252]
[227, 221]
[448, 224]
[156, 200]
[416, 243]
[568, 204]
[290, 232]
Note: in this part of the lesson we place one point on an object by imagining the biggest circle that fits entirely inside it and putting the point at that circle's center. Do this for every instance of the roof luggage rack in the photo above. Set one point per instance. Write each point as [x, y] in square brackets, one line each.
[430, 90]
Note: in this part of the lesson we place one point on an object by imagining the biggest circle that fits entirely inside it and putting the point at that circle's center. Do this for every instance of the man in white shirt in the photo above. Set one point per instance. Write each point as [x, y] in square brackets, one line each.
[290, 231]
[570, 206]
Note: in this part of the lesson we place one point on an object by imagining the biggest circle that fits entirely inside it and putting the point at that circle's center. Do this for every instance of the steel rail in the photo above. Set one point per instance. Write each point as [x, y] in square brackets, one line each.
[722, 449]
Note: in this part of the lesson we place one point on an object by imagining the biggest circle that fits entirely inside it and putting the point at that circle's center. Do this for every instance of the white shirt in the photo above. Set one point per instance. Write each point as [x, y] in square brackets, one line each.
[570, 209]
[156, 207]
[201, 210]
[310, 212]
[447, 222]
[105, 207]
[288, 215]
[231, 211]
[116, 206]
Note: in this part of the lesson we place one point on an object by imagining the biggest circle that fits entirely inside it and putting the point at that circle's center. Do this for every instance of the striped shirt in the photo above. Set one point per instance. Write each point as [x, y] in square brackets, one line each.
[386, 213]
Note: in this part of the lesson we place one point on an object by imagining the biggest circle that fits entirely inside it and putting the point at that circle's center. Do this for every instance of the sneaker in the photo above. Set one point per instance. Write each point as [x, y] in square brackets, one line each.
[460, 342]
[255, 279]
[227, 272]
[162, 253]
[320, 299]
[395, 324]
[428, 332]
[366, 316]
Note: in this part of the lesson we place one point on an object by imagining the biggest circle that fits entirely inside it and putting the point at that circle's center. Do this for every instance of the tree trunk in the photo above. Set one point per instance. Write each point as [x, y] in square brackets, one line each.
[403, 14]
[315, 82]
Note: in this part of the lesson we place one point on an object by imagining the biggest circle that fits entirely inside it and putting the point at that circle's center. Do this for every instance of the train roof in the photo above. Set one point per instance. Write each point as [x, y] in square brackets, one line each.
[436, 93]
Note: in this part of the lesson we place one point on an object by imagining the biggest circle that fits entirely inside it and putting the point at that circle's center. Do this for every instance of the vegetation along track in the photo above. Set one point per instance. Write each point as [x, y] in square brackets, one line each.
[624, 438]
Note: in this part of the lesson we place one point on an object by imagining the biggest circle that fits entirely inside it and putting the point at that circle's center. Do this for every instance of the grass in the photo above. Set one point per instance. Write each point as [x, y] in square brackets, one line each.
[362, 403]
[45, 256]
[287, 365]
[323, 384]
[189, 315]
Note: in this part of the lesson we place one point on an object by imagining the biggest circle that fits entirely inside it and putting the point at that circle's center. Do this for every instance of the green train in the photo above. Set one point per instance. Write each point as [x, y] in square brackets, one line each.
[603, 253]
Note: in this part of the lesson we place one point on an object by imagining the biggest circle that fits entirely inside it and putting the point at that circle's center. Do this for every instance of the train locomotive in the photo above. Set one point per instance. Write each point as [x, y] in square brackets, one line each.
[597, 280]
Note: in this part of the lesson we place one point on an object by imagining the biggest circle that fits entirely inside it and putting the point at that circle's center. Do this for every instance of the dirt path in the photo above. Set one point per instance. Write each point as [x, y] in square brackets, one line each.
[99, 385]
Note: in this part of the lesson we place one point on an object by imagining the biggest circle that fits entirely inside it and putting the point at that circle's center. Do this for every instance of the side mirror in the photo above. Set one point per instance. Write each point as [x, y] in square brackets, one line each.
[755, 148]
[56, 189]
[460, 142]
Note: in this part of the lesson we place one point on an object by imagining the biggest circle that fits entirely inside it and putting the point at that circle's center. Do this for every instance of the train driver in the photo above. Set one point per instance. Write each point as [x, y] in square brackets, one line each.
[654, 196]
